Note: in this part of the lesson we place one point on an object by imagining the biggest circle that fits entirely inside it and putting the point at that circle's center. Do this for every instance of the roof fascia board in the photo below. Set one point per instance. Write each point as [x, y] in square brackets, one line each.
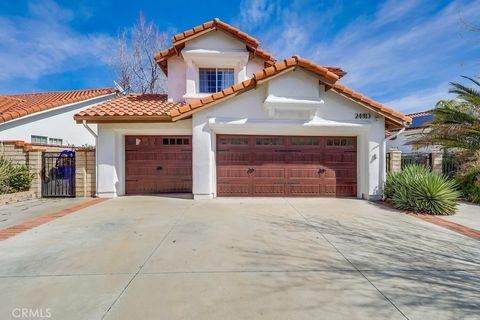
[122, 119]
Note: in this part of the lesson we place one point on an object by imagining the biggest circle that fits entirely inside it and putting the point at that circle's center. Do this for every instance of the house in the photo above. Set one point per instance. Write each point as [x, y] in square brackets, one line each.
[46, 118]
[420, 123]
[237, 122]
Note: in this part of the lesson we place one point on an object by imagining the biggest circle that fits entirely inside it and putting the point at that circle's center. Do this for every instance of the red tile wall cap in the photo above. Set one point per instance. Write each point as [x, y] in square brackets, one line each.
[419, 114]
[19, 105]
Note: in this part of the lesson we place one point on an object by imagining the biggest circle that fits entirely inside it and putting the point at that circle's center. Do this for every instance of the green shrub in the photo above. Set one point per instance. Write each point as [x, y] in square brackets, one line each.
[469, 181]
[417, 189]
[14, 177]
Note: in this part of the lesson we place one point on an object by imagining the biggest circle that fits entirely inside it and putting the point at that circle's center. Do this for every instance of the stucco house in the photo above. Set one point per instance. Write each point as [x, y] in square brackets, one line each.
[402, 141]
[237, 122]
[46, 117]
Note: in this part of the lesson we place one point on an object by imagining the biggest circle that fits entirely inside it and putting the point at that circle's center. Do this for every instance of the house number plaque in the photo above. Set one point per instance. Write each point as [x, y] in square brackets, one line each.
[364, 115]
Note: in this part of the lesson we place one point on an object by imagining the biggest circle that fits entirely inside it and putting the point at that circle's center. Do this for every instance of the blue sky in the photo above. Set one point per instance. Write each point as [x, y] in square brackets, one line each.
[401, 53]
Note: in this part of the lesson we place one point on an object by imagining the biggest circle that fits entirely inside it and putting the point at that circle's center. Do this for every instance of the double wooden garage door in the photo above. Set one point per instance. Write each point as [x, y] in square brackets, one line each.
[246, 165]
[286, 166]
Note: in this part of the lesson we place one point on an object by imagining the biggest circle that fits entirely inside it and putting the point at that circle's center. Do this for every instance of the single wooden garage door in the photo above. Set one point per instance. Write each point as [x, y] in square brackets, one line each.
[158, 164]
[286, 166]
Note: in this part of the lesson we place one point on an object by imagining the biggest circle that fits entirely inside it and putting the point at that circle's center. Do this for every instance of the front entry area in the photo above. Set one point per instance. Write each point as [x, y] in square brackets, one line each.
[286, 166]
[158, 164]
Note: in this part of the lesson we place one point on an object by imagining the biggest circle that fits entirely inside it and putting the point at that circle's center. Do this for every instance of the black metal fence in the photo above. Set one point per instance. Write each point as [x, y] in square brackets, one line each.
[387, 160]
[58, 174]
[417, 158]
[451, 164]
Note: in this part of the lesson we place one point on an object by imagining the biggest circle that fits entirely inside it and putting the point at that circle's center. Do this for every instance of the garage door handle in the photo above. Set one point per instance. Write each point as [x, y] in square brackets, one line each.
[159, 168]
[250, 170]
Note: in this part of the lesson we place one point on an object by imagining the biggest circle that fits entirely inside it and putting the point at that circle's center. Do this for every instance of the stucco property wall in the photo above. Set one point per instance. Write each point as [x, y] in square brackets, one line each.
[31, 155]
[54, 123]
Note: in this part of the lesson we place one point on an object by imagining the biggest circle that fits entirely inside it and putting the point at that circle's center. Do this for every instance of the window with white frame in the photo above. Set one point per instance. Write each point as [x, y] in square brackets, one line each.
[215, 79]
[39, 139]
[55, 141]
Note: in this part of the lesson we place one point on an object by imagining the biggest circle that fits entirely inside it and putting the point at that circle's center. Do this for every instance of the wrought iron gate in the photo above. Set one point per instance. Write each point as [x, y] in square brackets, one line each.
[58, 174]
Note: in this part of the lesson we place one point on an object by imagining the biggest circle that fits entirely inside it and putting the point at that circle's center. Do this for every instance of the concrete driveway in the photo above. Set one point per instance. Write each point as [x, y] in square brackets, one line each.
[174, 258]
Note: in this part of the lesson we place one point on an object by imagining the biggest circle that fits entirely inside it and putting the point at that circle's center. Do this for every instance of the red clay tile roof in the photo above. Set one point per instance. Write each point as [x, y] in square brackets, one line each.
[214, 25]
[179, 42]
[337, 70]
[419, 114]
[327, 77]
[157, 108]
[150, 107]
[388, 112]
[19, 105]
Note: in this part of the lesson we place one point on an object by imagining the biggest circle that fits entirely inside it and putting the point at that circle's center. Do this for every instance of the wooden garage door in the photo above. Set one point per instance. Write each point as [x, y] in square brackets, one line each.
[158, 164]
[286, 166]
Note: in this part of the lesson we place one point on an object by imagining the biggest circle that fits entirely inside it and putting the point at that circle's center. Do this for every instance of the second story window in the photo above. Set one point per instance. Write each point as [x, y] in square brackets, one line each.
[215, 79]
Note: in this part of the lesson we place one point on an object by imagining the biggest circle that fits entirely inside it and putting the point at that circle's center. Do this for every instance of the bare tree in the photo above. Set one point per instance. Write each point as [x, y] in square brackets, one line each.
[134, 63]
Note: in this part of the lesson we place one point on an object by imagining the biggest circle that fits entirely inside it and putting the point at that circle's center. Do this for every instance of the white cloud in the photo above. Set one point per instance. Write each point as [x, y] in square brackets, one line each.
[45, 43]
[398, 51]
[254, 13]
[420, 100]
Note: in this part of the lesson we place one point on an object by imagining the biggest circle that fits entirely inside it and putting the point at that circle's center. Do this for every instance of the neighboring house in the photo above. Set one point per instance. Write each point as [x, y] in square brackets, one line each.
[419, 125]
[46, 118]
[236, 122]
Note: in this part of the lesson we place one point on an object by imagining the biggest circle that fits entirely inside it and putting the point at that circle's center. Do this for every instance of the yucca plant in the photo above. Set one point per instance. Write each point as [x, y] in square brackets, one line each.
[434, 194]
[417, 189]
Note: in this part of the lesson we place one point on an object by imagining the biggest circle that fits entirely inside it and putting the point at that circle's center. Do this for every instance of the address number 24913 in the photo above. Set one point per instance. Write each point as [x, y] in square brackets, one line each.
[364, 115]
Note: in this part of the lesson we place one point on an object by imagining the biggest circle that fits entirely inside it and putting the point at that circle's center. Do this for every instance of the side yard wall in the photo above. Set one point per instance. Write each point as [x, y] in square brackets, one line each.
[31, 155]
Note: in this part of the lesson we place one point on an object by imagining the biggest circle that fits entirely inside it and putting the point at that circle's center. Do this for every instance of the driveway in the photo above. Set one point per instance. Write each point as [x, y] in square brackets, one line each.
[239, 258]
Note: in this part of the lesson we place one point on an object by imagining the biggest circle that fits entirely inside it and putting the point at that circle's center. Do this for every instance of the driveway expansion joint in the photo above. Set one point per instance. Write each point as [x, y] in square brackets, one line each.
[145, 262]
[351, 263]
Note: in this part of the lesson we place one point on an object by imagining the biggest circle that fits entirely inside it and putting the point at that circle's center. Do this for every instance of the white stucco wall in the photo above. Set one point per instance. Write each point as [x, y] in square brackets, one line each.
[54, 123]
[176, 81]
[246, 114]
[327, 114]
[111, 150]
[214, 49]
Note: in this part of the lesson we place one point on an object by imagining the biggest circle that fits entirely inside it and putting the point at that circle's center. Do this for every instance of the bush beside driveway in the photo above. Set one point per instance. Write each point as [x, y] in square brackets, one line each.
[155, 257]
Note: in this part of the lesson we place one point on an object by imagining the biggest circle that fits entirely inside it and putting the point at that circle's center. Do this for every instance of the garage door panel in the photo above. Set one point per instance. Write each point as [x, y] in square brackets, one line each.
[303, 189]
[287, 166]
[234, 189]
[310, 156]
[269, 156]
[158, 164]
[232, 172]
[303, 173]
[269, 189]
[271, 173]
[233, 156]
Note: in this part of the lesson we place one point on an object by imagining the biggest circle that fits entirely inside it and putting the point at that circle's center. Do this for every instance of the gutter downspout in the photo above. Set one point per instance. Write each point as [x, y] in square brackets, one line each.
[95, 135]
[384, 155]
